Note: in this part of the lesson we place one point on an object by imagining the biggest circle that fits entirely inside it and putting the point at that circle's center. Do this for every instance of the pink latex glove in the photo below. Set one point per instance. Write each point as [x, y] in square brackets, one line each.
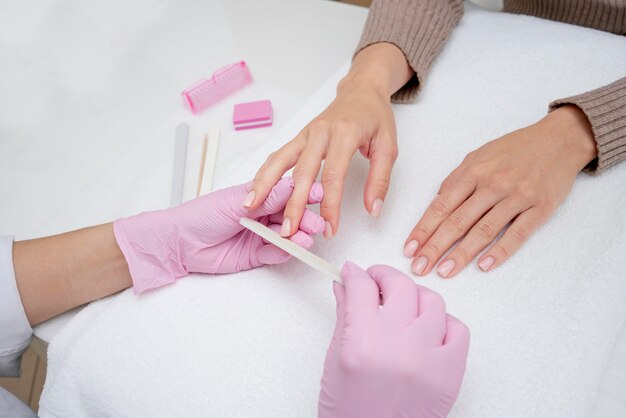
[405, 359]
[204, 235]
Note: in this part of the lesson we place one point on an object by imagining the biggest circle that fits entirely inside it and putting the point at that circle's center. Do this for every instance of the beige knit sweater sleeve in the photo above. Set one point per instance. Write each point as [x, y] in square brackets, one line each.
[420, 29]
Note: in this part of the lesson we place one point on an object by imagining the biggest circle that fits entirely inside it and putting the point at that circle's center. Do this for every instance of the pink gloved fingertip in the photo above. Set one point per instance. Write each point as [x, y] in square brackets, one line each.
[312, 223]
[302, 239]
[347, 268]
[316, 194]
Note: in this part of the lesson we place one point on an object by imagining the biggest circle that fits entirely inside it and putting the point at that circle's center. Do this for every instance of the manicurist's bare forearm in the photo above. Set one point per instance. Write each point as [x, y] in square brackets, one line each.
[382, 66]
[58, 273]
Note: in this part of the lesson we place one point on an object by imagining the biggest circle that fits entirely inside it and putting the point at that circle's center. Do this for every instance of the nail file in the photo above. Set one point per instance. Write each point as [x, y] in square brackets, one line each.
[207, 161]
[292, 248]
[180, 157]
[210, 161]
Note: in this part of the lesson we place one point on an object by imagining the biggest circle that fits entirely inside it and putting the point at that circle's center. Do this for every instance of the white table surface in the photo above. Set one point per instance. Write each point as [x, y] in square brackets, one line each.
[83, 82]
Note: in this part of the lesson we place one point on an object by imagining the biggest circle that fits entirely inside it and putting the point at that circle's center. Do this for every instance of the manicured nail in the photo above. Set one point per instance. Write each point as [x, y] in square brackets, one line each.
[420, 265]
[377, 207]
[328, 230]
[485, 263]
[446, 267]
[285, 229]
[410, 248]
[249, 199]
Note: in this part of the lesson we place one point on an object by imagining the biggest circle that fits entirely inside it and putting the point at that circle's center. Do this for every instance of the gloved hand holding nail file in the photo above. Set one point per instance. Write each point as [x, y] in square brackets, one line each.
[399, 356]
[405, 357]
[204, 235]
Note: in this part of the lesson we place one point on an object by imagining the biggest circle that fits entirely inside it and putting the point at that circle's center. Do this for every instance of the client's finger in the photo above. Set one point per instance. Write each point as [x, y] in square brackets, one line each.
[275, 201]
[311, 222]
[483, 233]
[382, 158]
[452, 229]
[439, 209]
[304, 175]
[272, 170]
[333, 177]
[518, 233]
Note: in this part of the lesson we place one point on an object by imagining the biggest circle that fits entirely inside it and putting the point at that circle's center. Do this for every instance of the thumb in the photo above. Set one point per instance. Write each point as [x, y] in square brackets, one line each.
[382, 160]
[275, 200]
[456, 341]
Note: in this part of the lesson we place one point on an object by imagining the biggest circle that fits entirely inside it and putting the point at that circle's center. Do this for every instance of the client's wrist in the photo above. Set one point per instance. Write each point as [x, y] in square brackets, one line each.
[381, 67]
[571, 126]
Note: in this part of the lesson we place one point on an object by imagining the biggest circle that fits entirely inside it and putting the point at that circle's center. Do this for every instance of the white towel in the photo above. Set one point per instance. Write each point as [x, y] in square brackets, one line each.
[253, 344]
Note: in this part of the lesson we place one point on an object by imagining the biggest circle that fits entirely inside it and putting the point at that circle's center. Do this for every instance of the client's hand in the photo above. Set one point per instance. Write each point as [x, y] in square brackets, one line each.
[520, 178]
[403, 359]
[204, 235]
[360, 118]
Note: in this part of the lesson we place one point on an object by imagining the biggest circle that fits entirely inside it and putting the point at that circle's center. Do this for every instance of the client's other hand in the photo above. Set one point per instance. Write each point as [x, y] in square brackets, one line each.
[519, 179]
[204, 235]
[405, 358]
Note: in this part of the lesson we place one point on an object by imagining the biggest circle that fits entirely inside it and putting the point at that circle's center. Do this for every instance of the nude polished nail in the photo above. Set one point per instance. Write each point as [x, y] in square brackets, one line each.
[410, 248]
[285, 229]
[419, 265]
[446, 268]
[485, 263]
[249, 199]
[328, 230]
[377, 207]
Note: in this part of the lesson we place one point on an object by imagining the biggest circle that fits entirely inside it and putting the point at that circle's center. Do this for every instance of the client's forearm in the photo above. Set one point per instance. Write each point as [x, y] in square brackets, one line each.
[382, 66]
[58, 273]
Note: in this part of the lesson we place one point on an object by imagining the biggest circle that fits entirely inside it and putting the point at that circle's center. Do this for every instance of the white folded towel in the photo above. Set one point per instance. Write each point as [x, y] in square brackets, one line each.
[253, 344]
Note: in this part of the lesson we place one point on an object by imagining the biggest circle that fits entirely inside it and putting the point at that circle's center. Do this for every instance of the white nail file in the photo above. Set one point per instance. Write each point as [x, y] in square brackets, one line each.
[208, 159]
[180, 161]
[292, 248]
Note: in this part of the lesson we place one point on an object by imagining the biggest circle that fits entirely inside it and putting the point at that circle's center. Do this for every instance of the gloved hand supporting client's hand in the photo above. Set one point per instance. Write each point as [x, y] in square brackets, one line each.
[204, 235]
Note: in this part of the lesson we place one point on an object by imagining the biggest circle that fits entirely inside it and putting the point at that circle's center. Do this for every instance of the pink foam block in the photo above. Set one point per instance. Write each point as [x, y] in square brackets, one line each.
[253, 115]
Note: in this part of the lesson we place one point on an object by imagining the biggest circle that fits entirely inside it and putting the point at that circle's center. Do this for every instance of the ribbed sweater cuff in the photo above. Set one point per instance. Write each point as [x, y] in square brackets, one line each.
[606, 110]
[418, 27]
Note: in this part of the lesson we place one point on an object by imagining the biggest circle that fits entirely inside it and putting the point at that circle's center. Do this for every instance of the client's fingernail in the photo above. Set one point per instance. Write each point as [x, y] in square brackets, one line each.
[446, 267]
[328, 230]
[249, 199]
[485, 263]
[410, 248]
[285, 229]
[377, 207]
[419, 265]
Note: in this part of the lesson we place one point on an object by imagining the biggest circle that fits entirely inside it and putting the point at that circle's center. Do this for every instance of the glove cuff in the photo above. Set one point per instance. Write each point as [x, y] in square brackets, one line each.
[149, 242]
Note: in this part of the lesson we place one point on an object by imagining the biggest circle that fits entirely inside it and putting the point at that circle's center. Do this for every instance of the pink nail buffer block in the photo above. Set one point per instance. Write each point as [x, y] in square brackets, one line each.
[253, 115]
